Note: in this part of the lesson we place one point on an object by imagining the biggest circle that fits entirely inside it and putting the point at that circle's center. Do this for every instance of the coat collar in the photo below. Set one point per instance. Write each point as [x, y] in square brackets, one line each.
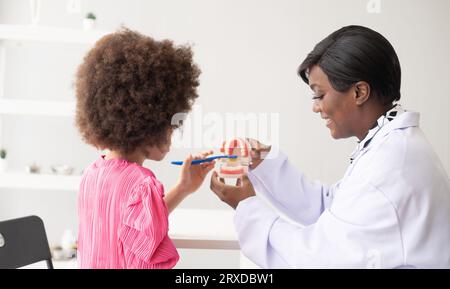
[396, 118]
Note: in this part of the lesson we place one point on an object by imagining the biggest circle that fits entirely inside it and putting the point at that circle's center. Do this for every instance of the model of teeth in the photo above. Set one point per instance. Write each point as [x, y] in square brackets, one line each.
[235, 168]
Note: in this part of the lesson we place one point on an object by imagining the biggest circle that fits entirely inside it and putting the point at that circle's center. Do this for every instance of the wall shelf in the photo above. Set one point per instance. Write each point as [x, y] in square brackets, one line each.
[49, 34]
[37, 107]
[18, 180]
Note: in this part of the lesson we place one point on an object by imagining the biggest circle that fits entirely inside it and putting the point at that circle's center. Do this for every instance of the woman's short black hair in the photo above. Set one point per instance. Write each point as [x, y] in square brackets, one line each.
[356, 53]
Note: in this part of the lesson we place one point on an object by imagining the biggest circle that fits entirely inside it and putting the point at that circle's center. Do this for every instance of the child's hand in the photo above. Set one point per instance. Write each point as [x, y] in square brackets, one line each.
[192, 176]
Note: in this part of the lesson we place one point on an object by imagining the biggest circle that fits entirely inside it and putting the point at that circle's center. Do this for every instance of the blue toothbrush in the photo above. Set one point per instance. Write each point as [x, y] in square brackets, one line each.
[196, 162]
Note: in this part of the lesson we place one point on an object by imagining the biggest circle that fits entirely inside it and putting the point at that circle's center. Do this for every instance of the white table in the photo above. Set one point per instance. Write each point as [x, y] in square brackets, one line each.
[203, 229]
[206, 229]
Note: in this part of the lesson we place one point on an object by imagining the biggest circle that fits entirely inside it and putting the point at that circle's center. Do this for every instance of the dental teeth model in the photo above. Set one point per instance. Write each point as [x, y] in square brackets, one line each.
[235, 167]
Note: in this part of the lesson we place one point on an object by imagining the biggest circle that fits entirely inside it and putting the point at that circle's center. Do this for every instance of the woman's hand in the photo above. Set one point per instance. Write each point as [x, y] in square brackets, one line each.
[232, 195]
[258, 152]
[192, 176]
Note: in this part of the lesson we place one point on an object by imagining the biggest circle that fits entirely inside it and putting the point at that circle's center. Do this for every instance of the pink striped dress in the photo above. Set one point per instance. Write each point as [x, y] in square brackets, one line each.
[123, 220]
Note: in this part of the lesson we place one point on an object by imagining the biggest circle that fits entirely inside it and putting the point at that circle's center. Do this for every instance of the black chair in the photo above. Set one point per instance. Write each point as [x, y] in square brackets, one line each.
[23, 241]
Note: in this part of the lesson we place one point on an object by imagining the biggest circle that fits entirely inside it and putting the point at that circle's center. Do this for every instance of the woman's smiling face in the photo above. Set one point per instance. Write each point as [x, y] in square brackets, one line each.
[337, 108]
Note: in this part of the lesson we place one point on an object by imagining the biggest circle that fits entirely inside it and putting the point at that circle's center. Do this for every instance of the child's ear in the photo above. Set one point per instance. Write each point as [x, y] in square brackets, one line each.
[362, 92]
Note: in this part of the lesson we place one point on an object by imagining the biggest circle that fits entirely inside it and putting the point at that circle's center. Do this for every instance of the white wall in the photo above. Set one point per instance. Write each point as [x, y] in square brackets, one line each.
[248, 51]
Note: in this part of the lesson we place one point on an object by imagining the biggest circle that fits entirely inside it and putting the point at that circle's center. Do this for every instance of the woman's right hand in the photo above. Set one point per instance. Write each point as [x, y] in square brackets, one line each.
[258, 152]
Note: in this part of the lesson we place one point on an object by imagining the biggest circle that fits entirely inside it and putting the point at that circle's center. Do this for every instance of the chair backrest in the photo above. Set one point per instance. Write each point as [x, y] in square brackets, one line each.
[23, 241]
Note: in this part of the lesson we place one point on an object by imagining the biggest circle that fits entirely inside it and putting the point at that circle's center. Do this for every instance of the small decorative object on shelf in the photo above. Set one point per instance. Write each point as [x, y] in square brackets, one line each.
[3, 161]
[69, 243]
[62, 170]
[89, 21]
[33, 169]
[67, 249]
[57, 252]
[60, 254]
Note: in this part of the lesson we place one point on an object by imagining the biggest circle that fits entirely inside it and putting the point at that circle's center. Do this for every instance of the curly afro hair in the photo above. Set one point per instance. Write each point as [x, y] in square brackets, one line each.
[128, 88]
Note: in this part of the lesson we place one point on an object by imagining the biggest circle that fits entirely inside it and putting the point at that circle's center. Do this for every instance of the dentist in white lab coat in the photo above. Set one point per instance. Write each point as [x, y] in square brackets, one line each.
[391, 209]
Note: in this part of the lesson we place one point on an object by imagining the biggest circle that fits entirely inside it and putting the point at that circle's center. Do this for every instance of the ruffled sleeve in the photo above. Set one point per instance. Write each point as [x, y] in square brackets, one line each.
[144, 232]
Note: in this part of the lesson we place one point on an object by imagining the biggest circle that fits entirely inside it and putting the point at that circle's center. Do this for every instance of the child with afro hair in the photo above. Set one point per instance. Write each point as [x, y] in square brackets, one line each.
[128, 88]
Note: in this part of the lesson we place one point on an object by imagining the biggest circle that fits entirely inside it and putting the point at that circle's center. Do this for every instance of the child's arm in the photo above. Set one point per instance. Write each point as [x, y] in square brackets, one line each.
[191, 179]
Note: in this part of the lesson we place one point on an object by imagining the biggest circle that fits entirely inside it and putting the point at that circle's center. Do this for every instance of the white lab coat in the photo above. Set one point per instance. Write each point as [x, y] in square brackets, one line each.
[390, 210]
